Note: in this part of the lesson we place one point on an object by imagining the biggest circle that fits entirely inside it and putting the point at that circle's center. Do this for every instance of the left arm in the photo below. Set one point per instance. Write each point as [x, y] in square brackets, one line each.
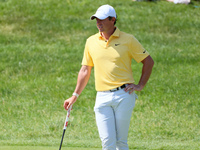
[146, 72]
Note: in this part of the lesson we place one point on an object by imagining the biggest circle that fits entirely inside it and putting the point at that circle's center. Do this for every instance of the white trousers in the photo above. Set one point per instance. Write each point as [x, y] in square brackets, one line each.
[113, 113]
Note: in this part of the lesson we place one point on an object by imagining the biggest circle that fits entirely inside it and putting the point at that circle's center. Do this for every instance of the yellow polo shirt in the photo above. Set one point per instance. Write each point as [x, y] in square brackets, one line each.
[112, 59]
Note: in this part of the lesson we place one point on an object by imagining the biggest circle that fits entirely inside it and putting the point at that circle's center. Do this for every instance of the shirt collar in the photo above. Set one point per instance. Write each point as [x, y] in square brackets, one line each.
[115, 34]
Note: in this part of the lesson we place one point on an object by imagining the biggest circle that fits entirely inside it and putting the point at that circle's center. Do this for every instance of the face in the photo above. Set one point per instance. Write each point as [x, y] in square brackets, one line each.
[105, 25]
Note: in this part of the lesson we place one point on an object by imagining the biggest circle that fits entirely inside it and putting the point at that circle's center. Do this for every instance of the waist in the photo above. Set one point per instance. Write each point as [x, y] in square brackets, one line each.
[118, 88]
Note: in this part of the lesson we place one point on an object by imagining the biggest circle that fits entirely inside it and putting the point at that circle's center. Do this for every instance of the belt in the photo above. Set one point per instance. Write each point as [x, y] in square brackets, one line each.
[118, 88]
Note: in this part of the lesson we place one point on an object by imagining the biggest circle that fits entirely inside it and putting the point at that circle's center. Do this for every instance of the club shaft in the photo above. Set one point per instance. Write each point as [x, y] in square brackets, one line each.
[62, 139]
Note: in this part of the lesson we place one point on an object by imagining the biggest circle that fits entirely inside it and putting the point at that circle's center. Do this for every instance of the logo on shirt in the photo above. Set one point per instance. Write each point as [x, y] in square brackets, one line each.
[117, 44]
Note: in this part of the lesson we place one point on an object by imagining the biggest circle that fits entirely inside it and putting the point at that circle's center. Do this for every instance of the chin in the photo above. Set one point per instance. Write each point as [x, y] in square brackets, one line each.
[100, 29]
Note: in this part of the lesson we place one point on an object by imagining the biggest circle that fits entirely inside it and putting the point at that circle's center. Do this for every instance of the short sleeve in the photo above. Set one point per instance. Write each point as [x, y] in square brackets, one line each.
[87, 59]
[137, 51]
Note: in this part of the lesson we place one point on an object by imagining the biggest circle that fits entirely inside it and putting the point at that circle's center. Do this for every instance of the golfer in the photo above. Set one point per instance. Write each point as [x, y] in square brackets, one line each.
[110, 52]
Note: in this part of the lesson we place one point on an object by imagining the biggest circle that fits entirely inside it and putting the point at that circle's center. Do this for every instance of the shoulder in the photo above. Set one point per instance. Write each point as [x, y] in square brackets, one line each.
[128, 36]
[93, 37]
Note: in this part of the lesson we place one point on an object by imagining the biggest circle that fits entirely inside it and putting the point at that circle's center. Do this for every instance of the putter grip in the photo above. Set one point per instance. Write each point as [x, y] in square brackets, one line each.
[67, 117]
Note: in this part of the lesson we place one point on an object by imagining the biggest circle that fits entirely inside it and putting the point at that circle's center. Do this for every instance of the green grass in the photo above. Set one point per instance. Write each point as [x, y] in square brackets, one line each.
[41, 47]
[43, 148]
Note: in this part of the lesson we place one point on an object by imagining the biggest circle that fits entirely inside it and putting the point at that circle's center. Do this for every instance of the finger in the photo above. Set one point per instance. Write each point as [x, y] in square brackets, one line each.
[131, 91]
[65, 105]
[127, 88]
[68, 106]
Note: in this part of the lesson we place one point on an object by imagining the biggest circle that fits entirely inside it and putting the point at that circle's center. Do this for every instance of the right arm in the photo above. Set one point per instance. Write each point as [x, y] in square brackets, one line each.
[83, 77]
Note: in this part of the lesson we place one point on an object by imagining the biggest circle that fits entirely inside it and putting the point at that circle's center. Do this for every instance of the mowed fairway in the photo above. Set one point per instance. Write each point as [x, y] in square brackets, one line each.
[42, 148]
[41, 49]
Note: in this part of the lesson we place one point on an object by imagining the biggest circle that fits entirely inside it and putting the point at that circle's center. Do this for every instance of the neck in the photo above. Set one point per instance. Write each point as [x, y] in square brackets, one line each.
[107, 34]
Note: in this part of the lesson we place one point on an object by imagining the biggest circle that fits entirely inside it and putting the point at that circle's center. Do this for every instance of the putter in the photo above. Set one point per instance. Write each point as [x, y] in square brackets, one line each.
[65, 125]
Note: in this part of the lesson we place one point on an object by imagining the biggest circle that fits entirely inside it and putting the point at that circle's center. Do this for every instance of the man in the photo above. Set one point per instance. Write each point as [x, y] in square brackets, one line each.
[110, 52]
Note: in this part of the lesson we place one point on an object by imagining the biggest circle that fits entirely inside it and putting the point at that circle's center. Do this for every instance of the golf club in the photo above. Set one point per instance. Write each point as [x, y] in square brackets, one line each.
[65, 125]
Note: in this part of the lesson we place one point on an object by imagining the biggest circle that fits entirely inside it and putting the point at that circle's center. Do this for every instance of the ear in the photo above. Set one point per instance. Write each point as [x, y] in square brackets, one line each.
[113, 19]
